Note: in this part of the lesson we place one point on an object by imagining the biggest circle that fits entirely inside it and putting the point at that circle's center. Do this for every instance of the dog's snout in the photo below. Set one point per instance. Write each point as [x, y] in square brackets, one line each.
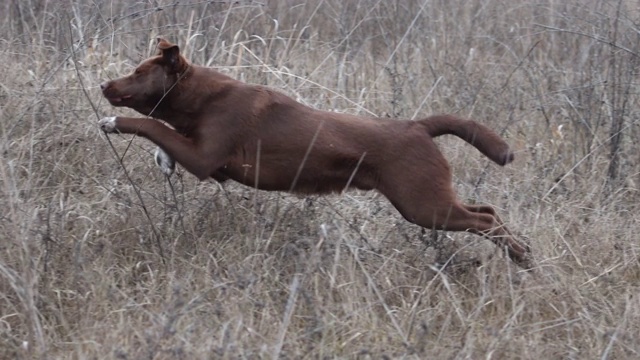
[104, 85]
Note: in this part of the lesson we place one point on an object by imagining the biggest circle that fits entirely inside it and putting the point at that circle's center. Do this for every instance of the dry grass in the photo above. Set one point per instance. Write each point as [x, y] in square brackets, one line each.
[102, 258]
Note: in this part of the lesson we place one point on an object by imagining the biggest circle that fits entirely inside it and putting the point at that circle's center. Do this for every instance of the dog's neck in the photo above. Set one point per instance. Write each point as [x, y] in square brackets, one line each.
[184, 73]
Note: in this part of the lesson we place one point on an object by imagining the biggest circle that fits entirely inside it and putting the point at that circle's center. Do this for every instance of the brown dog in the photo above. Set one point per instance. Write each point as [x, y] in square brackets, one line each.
[227, 129]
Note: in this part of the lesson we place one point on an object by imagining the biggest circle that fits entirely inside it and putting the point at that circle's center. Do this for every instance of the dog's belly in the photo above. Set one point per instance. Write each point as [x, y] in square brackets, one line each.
[300, 180]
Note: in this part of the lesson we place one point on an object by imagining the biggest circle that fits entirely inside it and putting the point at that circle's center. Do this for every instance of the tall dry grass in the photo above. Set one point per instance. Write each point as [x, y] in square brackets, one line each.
[102, 257]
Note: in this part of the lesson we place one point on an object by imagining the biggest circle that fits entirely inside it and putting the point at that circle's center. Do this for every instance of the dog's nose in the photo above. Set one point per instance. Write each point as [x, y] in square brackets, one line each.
[104, 85]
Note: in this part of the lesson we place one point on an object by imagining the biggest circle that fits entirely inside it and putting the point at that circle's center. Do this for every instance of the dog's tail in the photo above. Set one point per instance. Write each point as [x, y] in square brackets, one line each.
[484, 139]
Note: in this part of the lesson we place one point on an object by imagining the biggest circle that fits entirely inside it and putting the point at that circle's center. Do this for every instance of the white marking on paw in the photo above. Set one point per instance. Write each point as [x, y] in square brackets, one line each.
[108, 124]
[165, 162]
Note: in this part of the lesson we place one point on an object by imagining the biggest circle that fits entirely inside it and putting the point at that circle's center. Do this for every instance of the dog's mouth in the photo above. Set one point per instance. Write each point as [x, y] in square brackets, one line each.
[118, 99]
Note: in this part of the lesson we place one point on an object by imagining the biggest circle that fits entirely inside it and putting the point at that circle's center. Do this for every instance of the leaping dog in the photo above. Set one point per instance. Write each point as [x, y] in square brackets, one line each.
[227, 129]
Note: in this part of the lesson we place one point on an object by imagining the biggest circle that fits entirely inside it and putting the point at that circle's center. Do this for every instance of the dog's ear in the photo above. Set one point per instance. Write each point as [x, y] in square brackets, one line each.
[170, 53]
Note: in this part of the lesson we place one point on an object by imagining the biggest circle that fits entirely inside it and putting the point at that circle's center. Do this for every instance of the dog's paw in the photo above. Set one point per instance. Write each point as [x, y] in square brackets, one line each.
[108, 124]
[164, 161]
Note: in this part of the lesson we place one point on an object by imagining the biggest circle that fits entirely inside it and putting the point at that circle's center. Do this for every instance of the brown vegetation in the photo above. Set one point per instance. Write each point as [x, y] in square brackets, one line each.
[102, 256]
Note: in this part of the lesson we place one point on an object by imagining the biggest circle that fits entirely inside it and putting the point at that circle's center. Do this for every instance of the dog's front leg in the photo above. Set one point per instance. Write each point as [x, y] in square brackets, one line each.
[165, 162]
[201, 160]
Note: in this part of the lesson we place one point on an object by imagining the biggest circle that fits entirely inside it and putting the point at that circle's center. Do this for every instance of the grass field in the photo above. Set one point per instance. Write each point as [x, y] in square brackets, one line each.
[102, 257]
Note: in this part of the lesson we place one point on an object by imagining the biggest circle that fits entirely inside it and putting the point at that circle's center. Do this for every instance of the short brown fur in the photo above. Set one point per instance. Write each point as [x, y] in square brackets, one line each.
[227, 129]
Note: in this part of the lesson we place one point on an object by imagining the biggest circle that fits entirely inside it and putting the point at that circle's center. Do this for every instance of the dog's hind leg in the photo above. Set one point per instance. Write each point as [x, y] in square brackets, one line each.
[429, 201]
[479, 220]
[487, 209]
[497, 231]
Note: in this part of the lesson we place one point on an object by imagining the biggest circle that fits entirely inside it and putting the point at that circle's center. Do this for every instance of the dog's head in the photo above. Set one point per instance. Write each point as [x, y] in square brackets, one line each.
[150, 83]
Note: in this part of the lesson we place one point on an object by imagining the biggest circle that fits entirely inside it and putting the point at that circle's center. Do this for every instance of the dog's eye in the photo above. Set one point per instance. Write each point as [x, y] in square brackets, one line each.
[137, 72]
